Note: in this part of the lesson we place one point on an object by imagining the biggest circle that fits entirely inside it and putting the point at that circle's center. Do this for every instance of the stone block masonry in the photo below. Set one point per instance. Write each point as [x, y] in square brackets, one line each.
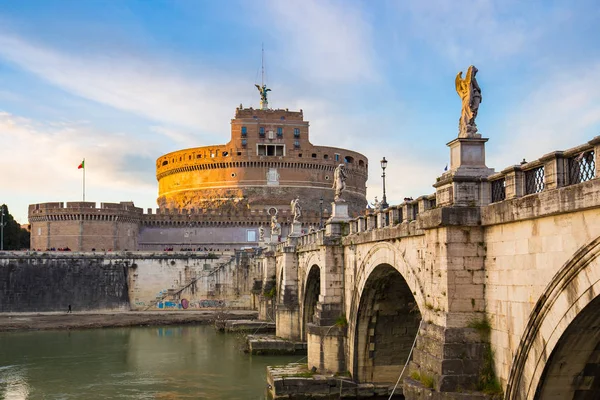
[32, 282]
[52, 283]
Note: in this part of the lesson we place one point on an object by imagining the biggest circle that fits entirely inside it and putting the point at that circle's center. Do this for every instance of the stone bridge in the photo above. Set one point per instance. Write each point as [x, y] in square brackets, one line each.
[497, 276]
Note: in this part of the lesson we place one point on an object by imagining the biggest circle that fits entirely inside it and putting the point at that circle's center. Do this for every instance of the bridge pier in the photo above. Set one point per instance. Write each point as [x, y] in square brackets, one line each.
[287, 309]
[326, 334]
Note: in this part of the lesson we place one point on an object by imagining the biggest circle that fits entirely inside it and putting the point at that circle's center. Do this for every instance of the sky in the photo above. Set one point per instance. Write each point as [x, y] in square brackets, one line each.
[120, 83]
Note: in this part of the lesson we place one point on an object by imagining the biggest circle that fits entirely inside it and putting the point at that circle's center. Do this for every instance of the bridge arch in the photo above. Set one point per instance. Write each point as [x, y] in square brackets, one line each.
[312, 290]
[384, 315]
[561, 341]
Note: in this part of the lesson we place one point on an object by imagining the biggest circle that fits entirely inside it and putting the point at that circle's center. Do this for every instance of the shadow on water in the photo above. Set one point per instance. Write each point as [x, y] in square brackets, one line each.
[191, 362]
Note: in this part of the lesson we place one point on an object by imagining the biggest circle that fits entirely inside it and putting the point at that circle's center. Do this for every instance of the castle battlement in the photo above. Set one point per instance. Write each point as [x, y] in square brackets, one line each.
[252, 113]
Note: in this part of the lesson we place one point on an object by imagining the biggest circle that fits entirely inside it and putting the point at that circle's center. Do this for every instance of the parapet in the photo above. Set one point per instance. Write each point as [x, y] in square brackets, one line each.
[270, 114]
[84, 210]
[552, 171]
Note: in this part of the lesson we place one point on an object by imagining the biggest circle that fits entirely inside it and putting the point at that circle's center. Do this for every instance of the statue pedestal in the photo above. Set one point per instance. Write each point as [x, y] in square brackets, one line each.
[339, 212]
[296, 229]
[467, 156]
[338, 221]
[465, 183]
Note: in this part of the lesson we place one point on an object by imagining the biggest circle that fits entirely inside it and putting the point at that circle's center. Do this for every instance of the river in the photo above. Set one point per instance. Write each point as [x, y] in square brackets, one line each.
[173, 362]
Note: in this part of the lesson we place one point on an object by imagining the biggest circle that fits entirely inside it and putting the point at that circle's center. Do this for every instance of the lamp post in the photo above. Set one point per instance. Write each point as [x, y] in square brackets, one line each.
[321, 213]
[2, 227]
[384, 203]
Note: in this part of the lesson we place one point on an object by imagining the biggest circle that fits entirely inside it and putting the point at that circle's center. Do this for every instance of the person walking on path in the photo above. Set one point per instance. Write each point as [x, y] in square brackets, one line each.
[69, 312]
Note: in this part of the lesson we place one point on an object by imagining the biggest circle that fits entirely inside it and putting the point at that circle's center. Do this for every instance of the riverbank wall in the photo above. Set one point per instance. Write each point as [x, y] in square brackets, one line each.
[138, 281]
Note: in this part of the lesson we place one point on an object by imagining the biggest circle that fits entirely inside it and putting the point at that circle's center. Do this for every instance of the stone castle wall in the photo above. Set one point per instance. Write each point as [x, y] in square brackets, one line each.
[119, 227]
[83, 226]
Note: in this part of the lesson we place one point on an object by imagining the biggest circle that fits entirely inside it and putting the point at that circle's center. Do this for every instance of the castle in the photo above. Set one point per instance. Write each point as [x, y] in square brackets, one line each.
[216, 197]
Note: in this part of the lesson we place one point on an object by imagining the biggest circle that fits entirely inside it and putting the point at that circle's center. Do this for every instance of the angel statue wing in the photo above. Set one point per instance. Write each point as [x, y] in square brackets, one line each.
[258, 87]
[461, 84]
[469, 76]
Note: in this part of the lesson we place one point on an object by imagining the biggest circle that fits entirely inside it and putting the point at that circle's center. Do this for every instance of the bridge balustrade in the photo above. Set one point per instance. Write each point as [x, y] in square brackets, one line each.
[552, 171]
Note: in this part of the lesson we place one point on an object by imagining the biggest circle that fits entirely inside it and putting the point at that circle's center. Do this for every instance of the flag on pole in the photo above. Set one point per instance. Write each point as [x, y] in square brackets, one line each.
[82, 166]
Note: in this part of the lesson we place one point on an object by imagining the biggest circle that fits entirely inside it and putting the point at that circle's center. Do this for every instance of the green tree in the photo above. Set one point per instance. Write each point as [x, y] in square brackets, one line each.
[15, 237]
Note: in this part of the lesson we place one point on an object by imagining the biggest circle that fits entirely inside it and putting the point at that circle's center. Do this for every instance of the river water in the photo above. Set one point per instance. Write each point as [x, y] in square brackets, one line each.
[174, 362]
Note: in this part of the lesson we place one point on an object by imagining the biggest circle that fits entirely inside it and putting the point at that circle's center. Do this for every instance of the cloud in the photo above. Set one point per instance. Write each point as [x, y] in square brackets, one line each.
[466, 30]
[561, 113]
[145, 86]
[328, 41]
[43, 160]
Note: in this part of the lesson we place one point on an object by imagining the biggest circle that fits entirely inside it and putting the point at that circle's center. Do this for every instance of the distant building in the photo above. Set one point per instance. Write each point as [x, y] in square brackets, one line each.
[215, 197]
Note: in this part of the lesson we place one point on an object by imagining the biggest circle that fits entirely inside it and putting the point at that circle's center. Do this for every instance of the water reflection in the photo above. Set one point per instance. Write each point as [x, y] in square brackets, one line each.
[130, 363]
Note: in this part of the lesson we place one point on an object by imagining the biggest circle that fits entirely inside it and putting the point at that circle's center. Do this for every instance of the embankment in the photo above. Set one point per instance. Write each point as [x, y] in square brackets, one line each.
[111, 281]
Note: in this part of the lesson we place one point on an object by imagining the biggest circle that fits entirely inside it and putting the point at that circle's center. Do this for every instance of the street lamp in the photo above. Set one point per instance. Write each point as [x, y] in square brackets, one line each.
[321, 212]
[384, 203]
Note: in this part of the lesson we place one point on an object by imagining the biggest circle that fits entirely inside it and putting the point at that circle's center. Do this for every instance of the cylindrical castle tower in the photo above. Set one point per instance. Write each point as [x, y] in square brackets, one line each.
[268, 162]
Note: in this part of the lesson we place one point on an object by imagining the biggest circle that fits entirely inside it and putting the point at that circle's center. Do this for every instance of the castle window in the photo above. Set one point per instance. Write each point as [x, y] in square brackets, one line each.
[244, 131]
[165, 163]
[279, 132]
[337, 157]
[326, 157]
[300, 155]
[314, 155]
[225, 153]
[296, 132]
[244, 142]
[261, 131]
[282, 118]
[271, 150]
[349, 159]
[361, 163]
[179, 158]
[296, 143]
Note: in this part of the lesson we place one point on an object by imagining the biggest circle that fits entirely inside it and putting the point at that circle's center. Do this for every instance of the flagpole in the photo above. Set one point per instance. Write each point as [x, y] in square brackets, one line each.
[83, 180]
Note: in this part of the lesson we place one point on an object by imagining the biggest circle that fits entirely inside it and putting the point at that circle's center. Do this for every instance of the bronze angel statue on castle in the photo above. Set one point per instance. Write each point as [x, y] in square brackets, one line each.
[470, 94]
[263, 92]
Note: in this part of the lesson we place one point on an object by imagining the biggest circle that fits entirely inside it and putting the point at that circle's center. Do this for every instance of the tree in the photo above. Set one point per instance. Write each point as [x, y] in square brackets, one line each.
[15, 237]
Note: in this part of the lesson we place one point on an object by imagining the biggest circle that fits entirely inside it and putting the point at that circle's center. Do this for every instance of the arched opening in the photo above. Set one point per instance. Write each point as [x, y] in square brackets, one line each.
[387, 323]
[311, 297]
[573, 369]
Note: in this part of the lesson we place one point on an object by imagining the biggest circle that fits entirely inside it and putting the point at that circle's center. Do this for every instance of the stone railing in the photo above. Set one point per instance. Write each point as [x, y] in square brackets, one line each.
[315, 237]
[407, 211]
[553, 170]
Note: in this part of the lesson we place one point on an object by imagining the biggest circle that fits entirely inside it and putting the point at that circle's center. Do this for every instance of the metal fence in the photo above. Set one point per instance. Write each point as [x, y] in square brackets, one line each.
[498, 190]
[534, 180]
[582, 167]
